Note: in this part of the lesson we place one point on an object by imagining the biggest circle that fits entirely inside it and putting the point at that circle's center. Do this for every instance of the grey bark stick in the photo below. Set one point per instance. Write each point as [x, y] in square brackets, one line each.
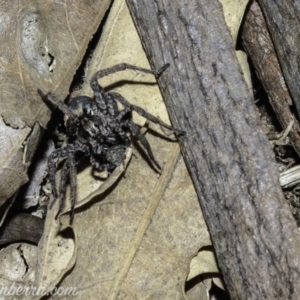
[282, 18]
[259, 47]
[228, 156]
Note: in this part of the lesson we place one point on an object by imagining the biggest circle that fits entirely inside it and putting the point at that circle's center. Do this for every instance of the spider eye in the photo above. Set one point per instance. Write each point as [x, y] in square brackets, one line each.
[85, 111]
[88, 111]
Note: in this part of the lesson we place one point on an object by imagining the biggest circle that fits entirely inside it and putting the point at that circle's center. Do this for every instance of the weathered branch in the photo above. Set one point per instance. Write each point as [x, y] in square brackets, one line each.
[282, 18]
[229, 158]
[258, 45]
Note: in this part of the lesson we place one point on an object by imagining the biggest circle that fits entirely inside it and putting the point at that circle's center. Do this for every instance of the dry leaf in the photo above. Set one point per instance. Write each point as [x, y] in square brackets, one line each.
[140, 233]
[57, 251]
[204, 262]
[18, 262]
[43, 43]
[243, 60]
[203, 269]
[234, 12]
[147, 227]
[12, 171]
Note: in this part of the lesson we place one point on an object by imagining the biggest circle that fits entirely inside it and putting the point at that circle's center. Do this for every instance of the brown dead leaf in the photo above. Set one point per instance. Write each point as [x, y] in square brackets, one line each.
[57, 251]
[12, 171]
[18, 262]
[234, 12]
[204, 270]
[203, 262]
[43, 43]
[147, 227]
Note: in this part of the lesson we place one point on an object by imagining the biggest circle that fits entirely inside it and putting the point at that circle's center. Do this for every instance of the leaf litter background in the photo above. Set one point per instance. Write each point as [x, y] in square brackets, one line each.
[32, 55]
[138, 239]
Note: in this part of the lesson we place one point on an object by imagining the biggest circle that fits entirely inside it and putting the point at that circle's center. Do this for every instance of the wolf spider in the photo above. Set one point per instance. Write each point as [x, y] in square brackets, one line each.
[98, 129]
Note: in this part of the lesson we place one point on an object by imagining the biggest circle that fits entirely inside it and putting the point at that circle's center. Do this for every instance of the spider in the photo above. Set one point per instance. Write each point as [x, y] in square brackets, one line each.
[97, 129]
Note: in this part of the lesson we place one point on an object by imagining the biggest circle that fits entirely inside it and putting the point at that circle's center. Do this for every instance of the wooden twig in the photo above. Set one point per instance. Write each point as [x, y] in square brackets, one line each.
[259, 47]
[282, 18]
[228, 156]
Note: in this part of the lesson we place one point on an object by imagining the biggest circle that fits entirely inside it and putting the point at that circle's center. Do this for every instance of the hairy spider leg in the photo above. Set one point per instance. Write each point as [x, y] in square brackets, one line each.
[52, 170]
[112, 106]
[119, 130]
[136, 132]
[101, 166]
[63, 185]
[65, 171]
[73, 182]
[135, 129]
[144, 114]
[123, 113]
[100, 95]
[124, 66]
[68, 152]
[57, 103]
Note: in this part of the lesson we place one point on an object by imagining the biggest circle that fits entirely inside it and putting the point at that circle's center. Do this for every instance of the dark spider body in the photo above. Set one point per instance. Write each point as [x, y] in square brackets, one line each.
[97, 129]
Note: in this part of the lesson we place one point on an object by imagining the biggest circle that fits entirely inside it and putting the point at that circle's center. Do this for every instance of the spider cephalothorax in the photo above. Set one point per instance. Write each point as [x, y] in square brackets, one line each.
[97, 129]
